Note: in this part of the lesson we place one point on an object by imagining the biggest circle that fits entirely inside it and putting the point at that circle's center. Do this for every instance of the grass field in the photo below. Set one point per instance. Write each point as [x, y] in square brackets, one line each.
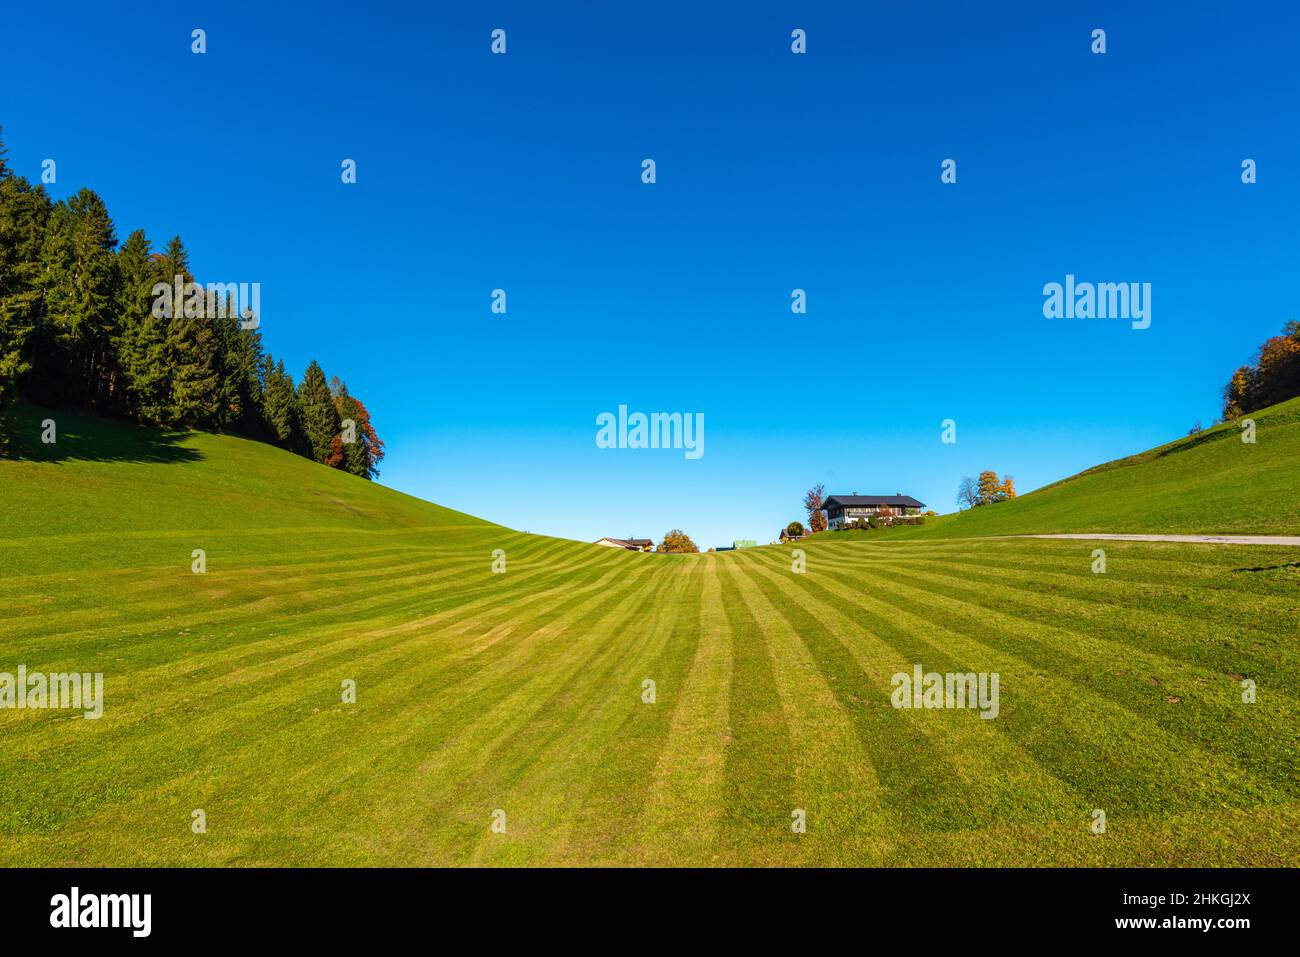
[1211, 483]
[523, 691]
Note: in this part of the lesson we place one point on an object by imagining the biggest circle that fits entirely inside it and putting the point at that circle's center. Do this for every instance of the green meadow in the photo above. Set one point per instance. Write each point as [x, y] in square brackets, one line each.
[523, 692]
[1211, 483]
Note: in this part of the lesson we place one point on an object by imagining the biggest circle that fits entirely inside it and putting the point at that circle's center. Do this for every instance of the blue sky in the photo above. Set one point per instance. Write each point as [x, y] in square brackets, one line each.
[774, 172]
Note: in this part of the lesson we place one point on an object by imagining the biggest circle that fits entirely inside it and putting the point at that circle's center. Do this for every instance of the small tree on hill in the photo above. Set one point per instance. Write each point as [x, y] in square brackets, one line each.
[677, 541]
[794, 529]
[987, 487]
[812, 503]
[967, 494]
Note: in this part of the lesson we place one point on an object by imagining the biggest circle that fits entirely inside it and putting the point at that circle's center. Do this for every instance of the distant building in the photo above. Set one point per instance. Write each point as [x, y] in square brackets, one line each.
[744, 543]
[844, 509]
[631, 544]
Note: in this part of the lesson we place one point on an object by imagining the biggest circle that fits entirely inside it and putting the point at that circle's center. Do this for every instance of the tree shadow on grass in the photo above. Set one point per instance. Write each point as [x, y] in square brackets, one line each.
[87, 438]
[1268, 568]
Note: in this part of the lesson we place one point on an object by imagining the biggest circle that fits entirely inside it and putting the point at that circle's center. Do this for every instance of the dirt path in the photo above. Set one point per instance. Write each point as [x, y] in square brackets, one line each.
[1195, 539]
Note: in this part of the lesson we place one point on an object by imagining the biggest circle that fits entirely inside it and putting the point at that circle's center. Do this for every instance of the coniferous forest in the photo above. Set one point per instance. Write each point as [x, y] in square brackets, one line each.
[80, 328]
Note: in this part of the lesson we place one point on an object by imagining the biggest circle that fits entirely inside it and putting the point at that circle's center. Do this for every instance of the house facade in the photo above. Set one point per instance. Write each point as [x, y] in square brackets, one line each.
[842, 510]
[631, 544]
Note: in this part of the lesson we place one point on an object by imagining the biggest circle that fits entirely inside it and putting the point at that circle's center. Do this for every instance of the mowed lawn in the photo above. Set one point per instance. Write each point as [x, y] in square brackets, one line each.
[1207, 484]
[523, 692]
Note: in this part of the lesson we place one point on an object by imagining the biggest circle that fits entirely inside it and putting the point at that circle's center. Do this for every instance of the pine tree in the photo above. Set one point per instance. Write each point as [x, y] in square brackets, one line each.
[242, 376]
[79, 272]
[316, 412]
[279, 404]
[87, 322]
[190, 357]
[141, 335]
[24, 212]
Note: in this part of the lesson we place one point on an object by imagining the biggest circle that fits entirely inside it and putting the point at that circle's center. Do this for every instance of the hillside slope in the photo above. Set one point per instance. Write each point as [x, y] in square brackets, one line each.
[1212, 483]
[129, 487]
[525, 692]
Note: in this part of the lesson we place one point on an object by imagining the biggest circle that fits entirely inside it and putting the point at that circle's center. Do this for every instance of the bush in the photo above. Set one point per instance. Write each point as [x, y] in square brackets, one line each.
[677, 541]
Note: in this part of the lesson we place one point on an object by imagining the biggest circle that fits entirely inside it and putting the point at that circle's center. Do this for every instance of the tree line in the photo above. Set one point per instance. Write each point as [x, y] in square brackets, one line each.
[80, 326]
[1273, 376]
[988, 489]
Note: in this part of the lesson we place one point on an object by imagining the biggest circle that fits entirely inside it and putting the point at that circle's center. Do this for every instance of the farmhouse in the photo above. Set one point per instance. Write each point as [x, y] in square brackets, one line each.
[843, 509]
[631, 544]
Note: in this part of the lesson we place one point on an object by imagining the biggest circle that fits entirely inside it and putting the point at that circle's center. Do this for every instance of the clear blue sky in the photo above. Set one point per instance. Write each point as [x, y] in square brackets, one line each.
[775, 171]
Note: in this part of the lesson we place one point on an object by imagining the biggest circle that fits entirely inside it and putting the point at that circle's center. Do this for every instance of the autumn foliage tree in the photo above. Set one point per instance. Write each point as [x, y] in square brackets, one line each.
[812, 503]
[357, 448]
[988, 485]
[988, 489]
[1273, 377]
[677, 541]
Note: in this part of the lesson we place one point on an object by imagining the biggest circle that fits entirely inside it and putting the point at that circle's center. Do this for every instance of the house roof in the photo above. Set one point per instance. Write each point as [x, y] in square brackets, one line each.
[854, 501]
[629, 542]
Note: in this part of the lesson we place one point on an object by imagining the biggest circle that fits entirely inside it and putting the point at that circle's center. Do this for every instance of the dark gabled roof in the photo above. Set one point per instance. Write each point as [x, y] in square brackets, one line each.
[854, 501]
[632, 542]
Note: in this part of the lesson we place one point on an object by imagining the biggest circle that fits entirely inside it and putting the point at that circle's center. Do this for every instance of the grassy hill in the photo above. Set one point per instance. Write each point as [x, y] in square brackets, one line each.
[523, 692]
[1211, 483]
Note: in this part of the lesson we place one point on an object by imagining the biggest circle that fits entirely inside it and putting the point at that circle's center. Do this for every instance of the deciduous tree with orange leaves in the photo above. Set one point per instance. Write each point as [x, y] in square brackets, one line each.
[812, 503]
[1274, 377]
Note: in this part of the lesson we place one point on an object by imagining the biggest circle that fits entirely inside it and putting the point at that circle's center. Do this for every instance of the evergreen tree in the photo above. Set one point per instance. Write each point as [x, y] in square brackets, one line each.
[279, 404]
[123, 330]
[140, 334]
[190, 359]
[316, 412]
[243, 386]
[24, 212]
[79, 272]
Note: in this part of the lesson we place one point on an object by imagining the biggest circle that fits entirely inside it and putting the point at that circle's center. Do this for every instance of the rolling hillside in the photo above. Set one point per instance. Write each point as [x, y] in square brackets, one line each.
[523, 692]
[1211, 483]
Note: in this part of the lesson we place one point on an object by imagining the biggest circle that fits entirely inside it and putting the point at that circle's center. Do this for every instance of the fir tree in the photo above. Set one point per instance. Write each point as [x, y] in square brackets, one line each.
[102, 327]
[24, 212]
[140, 334]
[279, 404]
[244, 386]
[80, 277]
[316, 412]
[190, 348]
